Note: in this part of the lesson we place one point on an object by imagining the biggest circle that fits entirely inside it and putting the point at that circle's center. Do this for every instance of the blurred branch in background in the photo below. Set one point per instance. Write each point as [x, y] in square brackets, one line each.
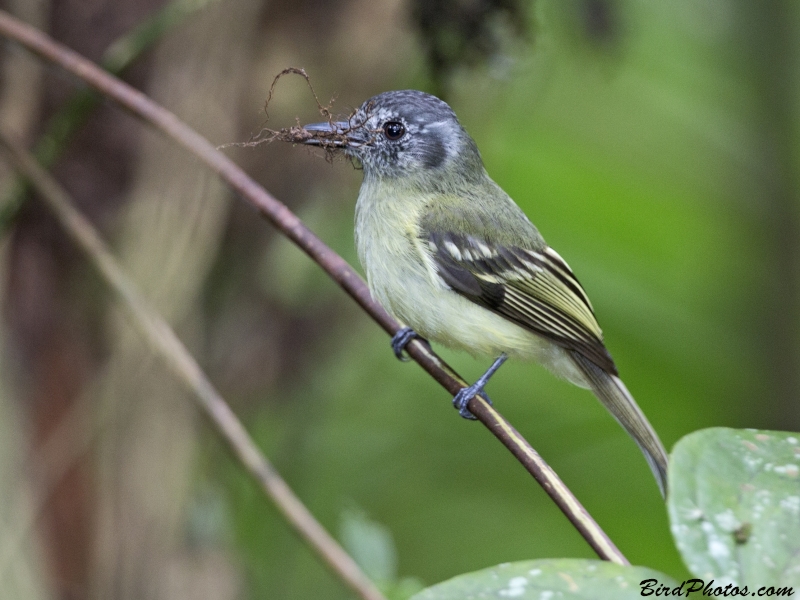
[334, 265]
[162, 338]
[167, 235]
[20, 98]
[770, 28]
[20, 102]
[27, 568]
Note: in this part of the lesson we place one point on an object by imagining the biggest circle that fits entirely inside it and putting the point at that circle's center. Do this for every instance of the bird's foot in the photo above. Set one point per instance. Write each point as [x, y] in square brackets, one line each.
[462, 398]
[401, 339]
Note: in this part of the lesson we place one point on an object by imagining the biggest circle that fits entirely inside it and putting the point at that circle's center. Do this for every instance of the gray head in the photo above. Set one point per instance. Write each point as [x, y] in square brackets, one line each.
[404, 133]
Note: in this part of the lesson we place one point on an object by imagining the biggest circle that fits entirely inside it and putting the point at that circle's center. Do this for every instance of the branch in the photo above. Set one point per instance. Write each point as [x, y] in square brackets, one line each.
[158, 117]
[163, 339]
[122, 52]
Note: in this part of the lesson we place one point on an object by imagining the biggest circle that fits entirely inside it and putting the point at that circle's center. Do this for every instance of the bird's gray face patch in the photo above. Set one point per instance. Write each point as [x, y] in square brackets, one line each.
[404, 133]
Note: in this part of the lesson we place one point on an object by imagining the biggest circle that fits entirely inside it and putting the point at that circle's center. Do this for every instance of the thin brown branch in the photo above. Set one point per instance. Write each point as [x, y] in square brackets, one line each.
[163, 339]
[276, 212]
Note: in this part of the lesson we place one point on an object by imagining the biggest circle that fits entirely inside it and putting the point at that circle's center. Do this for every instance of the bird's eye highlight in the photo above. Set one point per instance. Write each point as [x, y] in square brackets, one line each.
[394, 130]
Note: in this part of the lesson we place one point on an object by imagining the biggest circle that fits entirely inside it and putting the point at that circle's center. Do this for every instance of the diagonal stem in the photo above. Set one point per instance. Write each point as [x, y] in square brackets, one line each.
[287, 222]
[162, 338]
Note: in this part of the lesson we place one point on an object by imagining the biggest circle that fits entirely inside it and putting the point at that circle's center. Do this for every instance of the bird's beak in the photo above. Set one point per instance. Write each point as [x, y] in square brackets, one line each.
[328, 134]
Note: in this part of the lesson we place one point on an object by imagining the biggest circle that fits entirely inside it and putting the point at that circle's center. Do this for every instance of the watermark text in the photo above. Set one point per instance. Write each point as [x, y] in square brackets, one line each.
[653, 587]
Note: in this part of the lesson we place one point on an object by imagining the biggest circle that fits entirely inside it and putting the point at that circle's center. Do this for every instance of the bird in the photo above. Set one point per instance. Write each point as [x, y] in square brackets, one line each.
[456, 261]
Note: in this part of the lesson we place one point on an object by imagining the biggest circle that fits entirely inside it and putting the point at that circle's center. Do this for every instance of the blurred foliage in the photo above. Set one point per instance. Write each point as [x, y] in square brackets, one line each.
[465, 33]
[62, 126]
[372, 546]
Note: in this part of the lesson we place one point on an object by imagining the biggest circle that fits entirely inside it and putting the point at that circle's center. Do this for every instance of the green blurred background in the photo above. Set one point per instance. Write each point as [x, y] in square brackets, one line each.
[654, 144]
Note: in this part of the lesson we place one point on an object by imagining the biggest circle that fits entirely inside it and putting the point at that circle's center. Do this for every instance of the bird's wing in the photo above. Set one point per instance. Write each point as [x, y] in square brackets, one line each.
[535, 289]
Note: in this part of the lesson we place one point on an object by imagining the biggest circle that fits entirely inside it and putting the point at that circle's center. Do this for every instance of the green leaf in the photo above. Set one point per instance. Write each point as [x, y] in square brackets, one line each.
[574, 578]
[370, 544]
[734, 505]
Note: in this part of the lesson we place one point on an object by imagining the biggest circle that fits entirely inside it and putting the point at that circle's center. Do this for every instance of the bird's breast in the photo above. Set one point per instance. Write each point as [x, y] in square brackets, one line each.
[388, 244]
[403, 279]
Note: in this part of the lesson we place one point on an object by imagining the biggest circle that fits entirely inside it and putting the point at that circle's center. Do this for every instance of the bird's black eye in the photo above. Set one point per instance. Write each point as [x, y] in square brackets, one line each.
[394, 130]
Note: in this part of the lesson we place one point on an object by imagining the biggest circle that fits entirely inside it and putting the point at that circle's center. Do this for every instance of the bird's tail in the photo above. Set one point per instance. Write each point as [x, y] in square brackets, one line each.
[610, 390]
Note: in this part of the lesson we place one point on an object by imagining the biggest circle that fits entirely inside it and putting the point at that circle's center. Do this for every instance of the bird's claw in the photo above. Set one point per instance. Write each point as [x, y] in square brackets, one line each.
[400, 340]
[464, 395]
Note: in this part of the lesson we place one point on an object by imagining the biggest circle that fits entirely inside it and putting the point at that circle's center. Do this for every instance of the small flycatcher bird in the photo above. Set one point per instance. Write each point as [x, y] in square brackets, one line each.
[452, 257]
